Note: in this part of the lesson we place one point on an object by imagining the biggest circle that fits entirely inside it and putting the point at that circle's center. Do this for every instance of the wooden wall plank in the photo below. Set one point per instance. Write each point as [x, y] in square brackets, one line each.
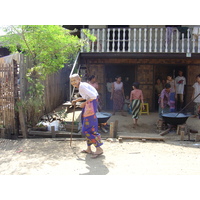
[55, 89]
[148, 70]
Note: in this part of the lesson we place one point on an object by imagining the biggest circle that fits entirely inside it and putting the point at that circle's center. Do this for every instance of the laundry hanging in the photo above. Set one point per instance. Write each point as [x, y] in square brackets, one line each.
[196, 31]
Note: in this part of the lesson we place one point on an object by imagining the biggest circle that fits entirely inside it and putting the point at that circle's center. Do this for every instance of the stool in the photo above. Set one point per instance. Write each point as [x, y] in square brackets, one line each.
[146, 108]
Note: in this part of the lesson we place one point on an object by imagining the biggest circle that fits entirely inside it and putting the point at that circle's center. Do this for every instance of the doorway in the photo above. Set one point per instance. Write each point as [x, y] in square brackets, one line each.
[161, 72]
[127, 73]
[123, 70]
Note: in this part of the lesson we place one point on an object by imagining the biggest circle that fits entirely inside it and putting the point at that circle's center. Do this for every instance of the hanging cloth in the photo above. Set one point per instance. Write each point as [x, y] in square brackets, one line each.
[196, 31]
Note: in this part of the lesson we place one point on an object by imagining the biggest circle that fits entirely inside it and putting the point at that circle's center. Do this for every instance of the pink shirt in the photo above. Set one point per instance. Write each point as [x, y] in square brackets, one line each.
[136, 94]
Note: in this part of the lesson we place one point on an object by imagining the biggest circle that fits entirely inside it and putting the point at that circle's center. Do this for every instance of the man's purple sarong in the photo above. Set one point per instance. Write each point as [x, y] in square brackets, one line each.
[90, 124]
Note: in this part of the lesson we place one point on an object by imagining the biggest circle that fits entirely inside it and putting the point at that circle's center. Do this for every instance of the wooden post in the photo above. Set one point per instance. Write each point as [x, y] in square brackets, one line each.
[53, 131]
[182, 133]
[177, 131]
[197, 137]
[112, 129]
[120, 140]
[116, 128]
[22, 122]
[159, 125]
[188, 132]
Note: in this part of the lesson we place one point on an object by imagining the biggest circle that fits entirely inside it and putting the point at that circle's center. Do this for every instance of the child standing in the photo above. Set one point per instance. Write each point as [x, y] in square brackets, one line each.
[171, 81]
[126, 106]
[164, 100]
[180, 82]
[136, 98]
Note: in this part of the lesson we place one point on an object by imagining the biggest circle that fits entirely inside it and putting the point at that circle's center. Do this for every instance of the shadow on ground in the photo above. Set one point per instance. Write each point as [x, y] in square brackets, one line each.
[95, 166]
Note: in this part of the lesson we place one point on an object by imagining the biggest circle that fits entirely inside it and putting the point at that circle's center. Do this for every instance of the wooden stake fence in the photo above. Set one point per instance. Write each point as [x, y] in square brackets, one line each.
[14, 87]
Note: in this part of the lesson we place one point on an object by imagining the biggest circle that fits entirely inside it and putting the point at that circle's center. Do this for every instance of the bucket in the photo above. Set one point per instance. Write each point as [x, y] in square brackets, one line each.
[55, 124]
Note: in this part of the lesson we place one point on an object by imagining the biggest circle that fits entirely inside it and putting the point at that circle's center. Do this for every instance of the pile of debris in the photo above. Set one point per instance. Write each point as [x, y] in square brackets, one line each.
[54, 123]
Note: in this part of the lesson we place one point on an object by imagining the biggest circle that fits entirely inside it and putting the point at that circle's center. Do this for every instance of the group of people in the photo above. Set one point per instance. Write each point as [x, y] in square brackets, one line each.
[88, 92]
[119, 93]
[170, 97]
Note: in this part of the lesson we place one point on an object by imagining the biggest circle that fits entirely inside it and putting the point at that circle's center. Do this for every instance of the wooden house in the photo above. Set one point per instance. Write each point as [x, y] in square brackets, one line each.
[141, 53]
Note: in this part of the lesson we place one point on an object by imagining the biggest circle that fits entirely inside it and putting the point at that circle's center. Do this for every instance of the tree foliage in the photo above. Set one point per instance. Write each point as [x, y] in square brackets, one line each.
[49, 47]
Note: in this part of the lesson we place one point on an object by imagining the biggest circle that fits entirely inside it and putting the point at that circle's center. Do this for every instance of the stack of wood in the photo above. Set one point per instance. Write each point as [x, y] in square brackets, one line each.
[182, 130]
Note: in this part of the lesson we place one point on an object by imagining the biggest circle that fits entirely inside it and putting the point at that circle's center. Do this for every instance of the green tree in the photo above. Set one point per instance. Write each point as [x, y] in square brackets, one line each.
[49, 47]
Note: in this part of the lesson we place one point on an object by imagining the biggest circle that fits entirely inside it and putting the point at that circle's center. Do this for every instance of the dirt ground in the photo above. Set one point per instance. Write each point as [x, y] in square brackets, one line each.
[147, 126]
[48, 156]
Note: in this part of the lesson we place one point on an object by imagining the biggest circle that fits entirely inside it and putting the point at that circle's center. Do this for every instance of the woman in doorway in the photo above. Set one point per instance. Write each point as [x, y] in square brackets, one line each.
[117, 95]
[93, 82]
[136, 98]
[171, 81]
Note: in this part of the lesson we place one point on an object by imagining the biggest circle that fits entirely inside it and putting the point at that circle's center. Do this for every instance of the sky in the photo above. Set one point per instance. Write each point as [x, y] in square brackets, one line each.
[104, 12]
[1, 32]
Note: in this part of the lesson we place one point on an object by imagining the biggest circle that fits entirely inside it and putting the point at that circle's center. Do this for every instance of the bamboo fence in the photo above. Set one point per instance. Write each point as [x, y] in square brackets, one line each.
[14, 86]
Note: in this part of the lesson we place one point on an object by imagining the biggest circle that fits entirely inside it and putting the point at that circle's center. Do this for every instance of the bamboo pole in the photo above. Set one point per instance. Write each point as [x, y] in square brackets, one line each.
[112, 129]
[22, 122]
[72, 125]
